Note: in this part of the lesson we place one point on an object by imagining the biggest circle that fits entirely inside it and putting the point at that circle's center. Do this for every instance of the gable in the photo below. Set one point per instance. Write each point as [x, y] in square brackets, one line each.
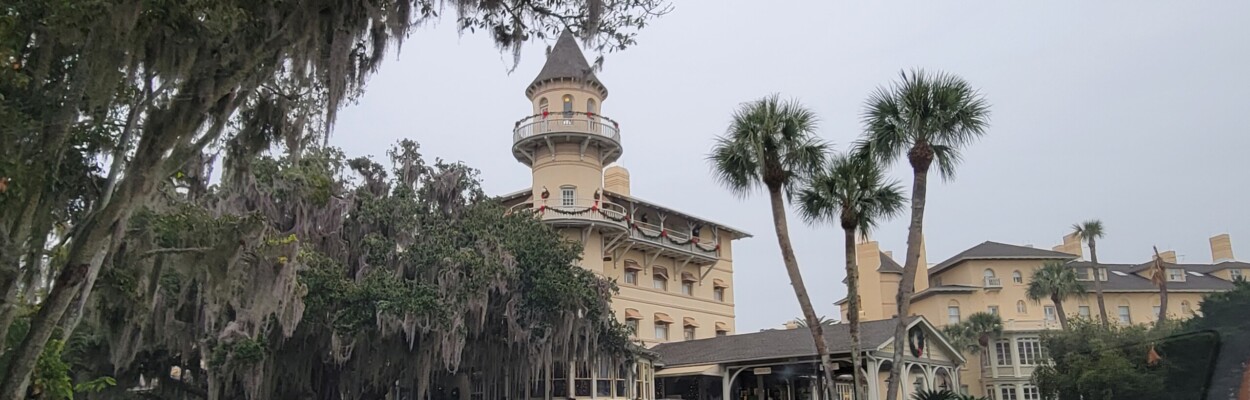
[935, 347]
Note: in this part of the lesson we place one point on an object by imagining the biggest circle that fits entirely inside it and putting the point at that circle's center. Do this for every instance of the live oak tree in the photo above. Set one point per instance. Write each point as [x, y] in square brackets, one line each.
[150, 86]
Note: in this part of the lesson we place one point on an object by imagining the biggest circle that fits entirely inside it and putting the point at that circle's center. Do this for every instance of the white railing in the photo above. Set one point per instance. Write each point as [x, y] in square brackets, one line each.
[577, 122]
[651, 233]
[579, 209]
[993, 282]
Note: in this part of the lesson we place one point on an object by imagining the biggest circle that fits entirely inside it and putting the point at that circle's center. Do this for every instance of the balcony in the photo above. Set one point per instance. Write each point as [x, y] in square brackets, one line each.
[993, 283]
[677, 244]
[546, 130]
[579, 212]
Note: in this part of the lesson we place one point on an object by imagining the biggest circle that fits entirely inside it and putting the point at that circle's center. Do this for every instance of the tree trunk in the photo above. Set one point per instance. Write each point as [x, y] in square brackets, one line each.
[1163, 297]
[1102, 303]
[796, 281]
[1063, 318]
[852, 314]
[907, 286]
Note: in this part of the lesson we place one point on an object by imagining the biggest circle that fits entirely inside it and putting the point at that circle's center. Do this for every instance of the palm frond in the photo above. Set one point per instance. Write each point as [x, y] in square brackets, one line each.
[938, 109]
[768, 142]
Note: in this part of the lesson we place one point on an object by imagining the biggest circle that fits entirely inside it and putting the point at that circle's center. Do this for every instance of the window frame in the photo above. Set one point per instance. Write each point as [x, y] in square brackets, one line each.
[661, 326]
[1050, 313]
[1179, 274]
[718, 294]
[631, 277]
[1124, 314]
[687, 288]
[568, 196]
[688, 333]
[953, 314]
[1002, 358]
[993, 310]
[1017, 277]
[1083, 311]
[1030, 351]
[1008, 392]
[1235, 274]
[1021, 307]
[659, 283]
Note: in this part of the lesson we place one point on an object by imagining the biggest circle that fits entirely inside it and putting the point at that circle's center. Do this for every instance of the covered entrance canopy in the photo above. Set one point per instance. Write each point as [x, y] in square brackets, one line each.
[783, 365]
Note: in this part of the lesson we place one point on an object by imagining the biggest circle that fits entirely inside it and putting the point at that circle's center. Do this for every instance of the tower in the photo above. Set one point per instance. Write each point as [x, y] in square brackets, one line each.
[566, 142]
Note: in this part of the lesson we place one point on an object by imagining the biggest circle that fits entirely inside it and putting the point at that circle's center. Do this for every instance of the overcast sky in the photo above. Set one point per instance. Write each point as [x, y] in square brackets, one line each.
[1132, 112]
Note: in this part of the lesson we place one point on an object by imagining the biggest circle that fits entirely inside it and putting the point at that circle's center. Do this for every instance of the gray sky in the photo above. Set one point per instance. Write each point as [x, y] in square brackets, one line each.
[1132, 112]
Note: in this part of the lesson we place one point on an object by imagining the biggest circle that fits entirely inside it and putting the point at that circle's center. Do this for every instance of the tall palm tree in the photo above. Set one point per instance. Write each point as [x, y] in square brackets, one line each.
[1090, 231]
[853, 192]
[772, 143]
[1055, 281]
[1159, 277]
[929, 118]
[974, 334]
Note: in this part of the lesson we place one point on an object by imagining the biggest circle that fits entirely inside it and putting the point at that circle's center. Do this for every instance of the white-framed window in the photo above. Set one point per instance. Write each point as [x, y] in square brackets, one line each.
[1102, 274]
[590, 106]
[1002, 350]
[1235, 274]
[631, 277]
[994, 310]
[1050, 313]
[1031, 392]
[1125, 317]
[542, 105]
[568, 196]
[687, 288]
[990, 279]
[1030, 350]
[989, 393]
[632, 324]
[1083, 311]
[568, 106]
[1185, 308]
[1176, 275]
[688, 333]
[1017, 277]
[952, 313]
[661, 331]
[1007, 392]
[1021, 307]
[985, 358]
[659, 282]
[718, 294]
[1083, 274]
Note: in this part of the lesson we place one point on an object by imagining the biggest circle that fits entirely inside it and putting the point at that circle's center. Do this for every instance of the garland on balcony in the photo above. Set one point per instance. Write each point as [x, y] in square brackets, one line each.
[542, 208]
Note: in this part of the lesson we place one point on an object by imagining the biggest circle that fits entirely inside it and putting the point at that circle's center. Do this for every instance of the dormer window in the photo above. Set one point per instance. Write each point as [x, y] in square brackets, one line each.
[1176, 275]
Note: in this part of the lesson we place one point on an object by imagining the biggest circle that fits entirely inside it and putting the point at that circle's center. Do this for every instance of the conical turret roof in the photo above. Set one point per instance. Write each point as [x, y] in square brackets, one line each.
[566, 62]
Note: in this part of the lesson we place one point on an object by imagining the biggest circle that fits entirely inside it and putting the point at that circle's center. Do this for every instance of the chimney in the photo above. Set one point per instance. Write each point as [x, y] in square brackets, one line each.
[792, 324]
[889, 254]
[1168, 256]
[1221, 248]
[616, 180]
[1071, 245]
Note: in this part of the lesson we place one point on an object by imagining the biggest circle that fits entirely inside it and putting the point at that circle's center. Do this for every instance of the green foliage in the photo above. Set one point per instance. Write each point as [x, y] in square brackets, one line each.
[770, 142]
[51, 377]
[934, 395]
[95, 385]
[974, 334]
[852, 192]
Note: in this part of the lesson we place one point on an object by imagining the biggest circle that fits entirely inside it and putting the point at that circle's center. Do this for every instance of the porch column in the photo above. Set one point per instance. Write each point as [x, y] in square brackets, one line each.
[724, 384]
[874, 380]
[905, 381]
[930, 377]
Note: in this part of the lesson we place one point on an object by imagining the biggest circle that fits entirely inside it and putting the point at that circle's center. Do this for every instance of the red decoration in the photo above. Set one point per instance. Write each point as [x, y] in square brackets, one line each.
[664, 233]
[695, 239]
[545, 114]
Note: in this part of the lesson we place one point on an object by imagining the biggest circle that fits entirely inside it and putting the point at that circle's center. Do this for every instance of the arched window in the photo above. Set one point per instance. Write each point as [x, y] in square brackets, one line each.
[590, 106]
[989, 273]
[990, 279]
[1017, 277]
[1021, 307]
[542, 105]
[568, 106]
[952, 312]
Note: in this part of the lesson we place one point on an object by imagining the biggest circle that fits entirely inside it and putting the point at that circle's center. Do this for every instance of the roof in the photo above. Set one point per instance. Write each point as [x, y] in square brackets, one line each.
[771, 344]
[999, 251]
[943, 289]
[889, 265]
[1124, 278]
[566, 61]
[738, 233]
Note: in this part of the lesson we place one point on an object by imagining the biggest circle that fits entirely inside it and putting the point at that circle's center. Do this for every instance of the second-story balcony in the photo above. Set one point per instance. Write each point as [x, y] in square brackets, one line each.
[678, 244]
[579, 212]
[544, 131]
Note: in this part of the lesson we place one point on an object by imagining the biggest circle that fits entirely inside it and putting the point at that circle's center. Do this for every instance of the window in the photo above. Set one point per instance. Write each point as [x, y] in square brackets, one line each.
[1017, 277]
[985, 358]
[621, 374]
[1176, 275]
[581, 383]
[1083, 311]
[1030, 350]
[659, 278]
[1002, 348]
[990, 279]
[1032, 392]
[568, 106]
[661, 331]
[1102, 274]
[1082, 274]
[631, 277]
[1155, 311]
[721, 333]
[568, 196]
[603, 379]
[1125, 318]
[559, 380]
[1007, 392]
[718, 294]
[632, 324]
[1235, 274]
[1049, 311]
[590, 106]
[1021, 307]
[542, 106]
[952, 313]
[994, 310]
[1185, 309]
[688, 333]
[687, 288]
[989, 392]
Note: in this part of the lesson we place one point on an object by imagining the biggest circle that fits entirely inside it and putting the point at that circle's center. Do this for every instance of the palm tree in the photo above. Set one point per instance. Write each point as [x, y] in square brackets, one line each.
[1055, 281]
[772, 143]
[1090, 231]
[974, 335]
[852, 191]
[824, 320]
[1159, 277]
[928, 118]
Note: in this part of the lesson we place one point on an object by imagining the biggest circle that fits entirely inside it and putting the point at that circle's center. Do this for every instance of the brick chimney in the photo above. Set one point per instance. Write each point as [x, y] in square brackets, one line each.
[1168, 256]
[1071, 245]
[616, 180]
[1221, 248]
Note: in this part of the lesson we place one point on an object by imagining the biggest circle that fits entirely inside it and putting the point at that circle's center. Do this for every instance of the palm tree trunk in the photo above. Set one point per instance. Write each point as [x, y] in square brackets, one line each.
[852, 314]
[1102, 303]
[1063, 318]
[907, 286]
[1163, 298]
[796, 281]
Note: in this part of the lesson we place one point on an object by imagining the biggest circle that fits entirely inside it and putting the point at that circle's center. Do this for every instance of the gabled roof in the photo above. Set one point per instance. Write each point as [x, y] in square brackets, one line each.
[1124, 278]
[772, 344]
[565, 61]
[933, 290]
[999, 251]
[889, 265]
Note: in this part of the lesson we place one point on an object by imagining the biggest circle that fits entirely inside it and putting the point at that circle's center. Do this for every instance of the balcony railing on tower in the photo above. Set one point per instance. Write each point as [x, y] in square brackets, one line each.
[566, 122]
